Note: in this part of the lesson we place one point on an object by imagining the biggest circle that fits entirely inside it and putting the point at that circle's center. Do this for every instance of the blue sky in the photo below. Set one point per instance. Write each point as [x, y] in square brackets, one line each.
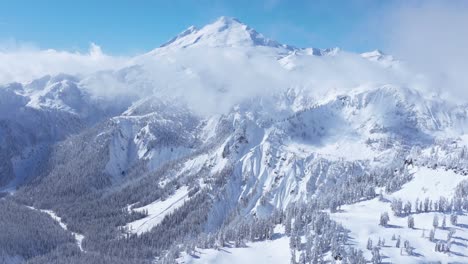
[130, 27]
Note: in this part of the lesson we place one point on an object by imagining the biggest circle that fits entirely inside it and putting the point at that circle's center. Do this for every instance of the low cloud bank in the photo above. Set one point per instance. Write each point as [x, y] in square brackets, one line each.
[432, 38]
[24, 62]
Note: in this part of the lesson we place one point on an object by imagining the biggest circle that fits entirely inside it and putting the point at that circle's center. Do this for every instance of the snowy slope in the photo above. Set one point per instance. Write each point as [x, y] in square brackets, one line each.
[274, 251]
[363, 220]
[157, 211]
[225, 31]
[38, 114]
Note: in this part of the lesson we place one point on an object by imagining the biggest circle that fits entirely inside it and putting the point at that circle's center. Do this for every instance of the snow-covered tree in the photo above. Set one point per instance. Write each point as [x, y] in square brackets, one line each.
[408, 248]
[287, 225]
[376, 258]
[293, 257]
[417, 205]
[426, 205]
[410, 221]
[435, 221]
[302, 258]
[448, 246]
[453, 219]
[432, 235]
[384, 219]
[220, 240]
[369, 244]
[407, 208]
[397, 207]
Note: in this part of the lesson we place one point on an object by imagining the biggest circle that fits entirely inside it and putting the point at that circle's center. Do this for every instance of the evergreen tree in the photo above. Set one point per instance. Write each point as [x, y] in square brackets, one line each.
[293, 256]
[410, 222]
[454, 219]
[397, 206]
[450, 234]
[435, 221]
[408, 248]
[302, 258]
[369, 244]
[287, 225]
[384, 219]
[426, 205]
[432, 235]
[407, 208]
[376, 258]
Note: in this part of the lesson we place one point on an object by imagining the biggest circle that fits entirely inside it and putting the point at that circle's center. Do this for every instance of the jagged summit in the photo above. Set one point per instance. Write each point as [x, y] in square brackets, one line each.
[375, 55]
[184, 33]
[380, 56]
[224, 32]
[226, 20]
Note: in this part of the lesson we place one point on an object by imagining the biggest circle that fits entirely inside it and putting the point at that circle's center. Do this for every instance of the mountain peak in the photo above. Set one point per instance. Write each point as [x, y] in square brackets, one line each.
[375, 54]
[223, 32]
[228, 20]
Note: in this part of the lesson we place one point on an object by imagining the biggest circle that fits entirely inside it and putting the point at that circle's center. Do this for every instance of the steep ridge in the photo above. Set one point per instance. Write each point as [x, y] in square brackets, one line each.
[38, 114]
[224, 32]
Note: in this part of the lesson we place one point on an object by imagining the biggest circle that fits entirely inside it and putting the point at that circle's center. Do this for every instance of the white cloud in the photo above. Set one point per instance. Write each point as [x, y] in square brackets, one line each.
[23, 62]
[210, 80]
[432, 37]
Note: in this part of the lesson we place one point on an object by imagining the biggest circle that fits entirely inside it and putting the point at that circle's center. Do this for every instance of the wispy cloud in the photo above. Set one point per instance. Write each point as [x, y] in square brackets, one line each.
[278, 30]
[432, 37]
[22, 61]
[271, 4]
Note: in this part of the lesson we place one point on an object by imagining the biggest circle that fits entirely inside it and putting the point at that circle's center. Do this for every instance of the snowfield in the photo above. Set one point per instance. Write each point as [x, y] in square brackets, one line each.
[362, 219]
[429, 183]
[274, 251]
[157, 211]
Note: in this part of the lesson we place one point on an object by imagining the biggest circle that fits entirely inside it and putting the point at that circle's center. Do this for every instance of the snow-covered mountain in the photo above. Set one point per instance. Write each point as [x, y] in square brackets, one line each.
[224, 32]
[224, 138]
[36, 115]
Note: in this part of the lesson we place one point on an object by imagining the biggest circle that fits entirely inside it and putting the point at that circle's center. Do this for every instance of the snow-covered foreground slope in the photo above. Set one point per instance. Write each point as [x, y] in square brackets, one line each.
[273, 251]
[362, 219]
[429, 183]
